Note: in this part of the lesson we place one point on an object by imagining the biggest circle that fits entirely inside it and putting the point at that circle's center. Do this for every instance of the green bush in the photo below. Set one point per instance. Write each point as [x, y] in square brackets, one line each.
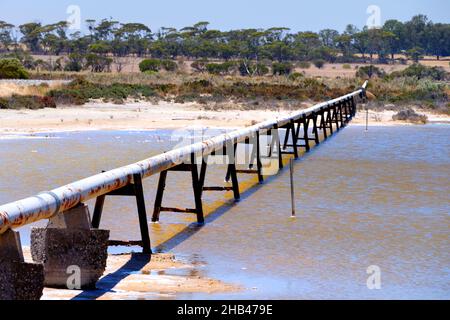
[319, 63]
[282, 68]
[409, 115]
[150, 72]
[220, 68]
[169, 65]
[150, 65]
[304, 64]
[24, 57]
[346, 66]
[295, 76]
[199, 65]
[369, 71]
[420, 71]
[250, 69]
[75, 62]
[3, 103]
[12, 69]
[81, 91]
[27, 102]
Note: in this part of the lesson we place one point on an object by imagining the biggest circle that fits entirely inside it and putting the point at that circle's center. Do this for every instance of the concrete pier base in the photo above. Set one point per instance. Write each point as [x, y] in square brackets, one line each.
[74, 255]
[18, 280]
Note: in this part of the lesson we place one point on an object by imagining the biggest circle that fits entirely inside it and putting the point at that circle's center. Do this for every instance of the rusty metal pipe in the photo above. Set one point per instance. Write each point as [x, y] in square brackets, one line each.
[49, 203]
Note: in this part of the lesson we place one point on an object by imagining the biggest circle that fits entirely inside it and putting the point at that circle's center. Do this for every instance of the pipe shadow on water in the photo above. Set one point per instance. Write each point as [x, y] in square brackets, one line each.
[139, 261]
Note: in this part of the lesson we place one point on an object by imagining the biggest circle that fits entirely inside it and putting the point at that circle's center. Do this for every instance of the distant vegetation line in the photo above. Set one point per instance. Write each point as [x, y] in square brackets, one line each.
[109, 40]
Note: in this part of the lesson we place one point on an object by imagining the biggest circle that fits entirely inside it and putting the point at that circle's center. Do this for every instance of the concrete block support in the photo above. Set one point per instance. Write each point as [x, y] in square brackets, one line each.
[74, 255]
[18, 280]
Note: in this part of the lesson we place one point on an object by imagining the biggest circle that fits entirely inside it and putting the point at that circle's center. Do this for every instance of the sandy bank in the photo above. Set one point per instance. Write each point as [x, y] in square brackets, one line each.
[146, 116]
[134, 277]
[384, 118]
[131, 116]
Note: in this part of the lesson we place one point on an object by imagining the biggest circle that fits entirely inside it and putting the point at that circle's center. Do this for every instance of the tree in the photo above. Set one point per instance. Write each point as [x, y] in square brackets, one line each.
[329, 37]
[98, 63]
[105, 30]
[132, 38]
[416, 31]
[438, 39]
[109, 38]
[415, 54]
[31, 35]
[378, 40]
[397, 36]
[361, 42]
[6, 39]
[309, 41]
[75, 62]
[54, 37]
[345, 45]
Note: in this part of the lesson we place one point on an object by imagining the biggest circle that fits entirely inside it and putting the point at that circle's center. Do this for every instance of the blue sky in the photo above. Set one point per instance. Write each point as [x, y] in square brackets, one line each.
[299, 15]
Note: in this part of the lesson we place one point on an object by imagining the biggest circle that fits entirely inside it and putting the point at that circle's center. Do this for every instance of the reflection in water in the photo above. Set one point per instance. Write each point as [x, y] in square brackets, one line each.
[376, 198]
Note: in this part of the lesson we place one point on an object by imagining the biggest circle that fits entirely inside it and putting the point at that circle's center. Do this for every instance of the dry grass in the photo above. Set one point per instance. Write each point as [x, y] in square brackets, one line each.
[8, 89]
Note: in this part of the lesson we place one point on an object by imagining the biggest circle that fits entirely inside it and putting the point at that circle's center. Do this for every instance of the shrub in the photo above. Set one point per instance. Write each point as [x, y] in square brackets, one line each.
[420, 71]
[199, 65]
[75, 62]
[150, 72]
[295, 76]
[346, 66]
[81, 91]
[304, 64]
[169, 65]
[282, 68]
[150, 65]
[250, 69]
[410, 115]
[369, 71]
[319, 63]
[3, 103]
[42, 65]
[24, 57]
[220, 68]
[12, 69]
[261, 69]
[27, 102]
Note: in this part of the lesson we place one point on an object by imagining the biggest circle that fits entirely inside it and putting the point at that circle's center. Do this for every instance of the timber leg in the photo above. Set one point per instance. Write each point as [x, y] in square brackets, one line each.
[140, 202]
[159, 196]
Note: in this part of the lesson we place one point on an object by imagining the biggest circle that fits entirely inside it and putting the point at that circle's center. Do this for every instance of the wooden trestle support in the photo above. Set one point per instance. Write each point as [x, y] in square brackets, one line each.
[328, 120]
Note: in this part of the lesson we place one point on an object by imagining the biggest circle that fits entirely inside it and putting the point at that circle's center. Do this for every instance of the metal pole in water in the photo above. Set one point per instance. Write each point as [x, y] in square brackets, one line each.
[291, 166]
[367, 119]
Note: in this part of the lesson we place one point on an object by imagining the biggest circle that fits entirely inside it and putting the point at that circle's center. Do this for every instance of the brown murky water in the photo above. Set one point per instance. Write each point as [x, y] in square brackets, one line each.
[377, 198]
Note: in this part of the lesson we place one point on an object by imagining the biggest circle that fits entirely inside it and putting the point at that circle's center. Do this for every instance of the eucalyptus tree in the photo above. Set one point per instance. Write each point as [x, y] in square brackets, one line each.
[6, 38]
[31, 35]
